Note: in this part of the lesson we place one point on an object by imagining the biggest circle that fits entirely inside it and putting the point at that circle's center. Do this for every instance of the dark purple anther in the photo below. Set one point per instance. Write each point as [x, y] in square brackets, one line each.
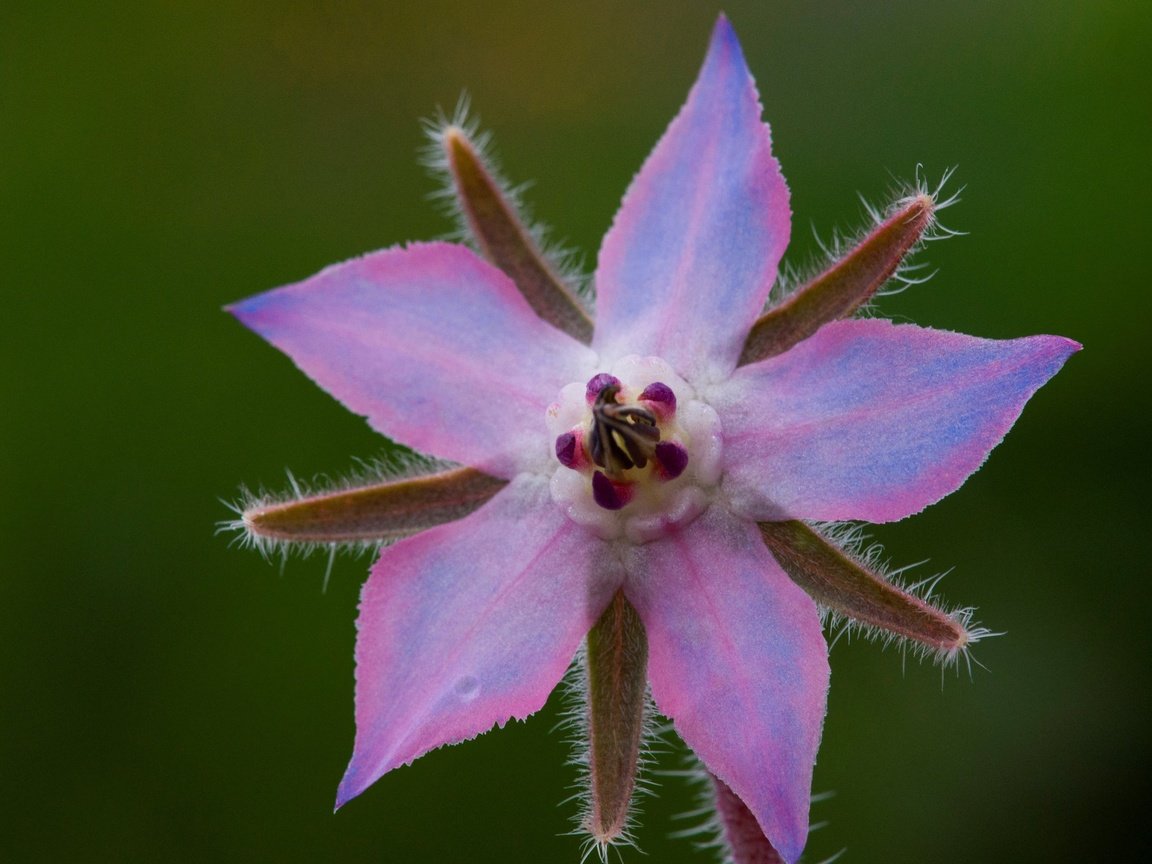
[659, 392]
[566, 449]
[607, 494]
[672, 458]
[598, 383]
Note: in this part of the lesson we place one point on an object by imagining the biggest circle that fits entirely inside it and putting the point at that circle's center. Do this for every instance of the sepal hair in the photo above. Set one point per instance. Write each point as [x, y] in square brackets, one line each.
[707, 831]
[566, 262]
[851, 540]
[910, 272]
[574, 724]
[400, 464]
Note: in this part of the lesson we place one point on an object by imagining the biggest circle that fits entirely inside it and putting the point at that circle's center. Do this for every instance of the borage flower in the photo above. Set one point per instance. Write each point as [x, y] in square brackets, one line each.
[642, 487]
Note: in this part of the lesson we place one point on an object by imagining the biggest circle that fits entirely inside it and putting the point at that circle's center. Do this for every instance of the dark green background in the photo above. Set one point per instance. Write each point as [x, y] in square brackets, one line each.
[165, 697]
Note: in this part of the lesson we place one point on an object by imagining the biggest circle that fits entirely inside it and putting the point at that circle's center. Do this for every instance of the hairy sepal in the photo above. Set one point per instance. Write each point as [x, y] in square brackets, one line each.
[846, 285]
[616, 661]
[724, 825]
[745, 841]
[849, 587]
[495, 225]
[374, 513]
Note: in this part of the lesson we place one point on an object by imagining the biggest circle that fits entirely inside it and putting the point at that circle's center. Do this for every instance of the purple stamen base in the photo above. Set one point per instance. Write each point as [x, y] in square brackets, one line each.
[598, 383]
[659, 392]
[609, 495]
[566, 450]
[672, 458]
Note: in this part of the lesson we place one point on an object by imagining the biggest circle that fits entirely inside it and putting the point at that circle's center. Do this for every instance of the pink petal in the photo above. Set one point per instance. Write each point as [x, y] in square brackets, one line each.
[872, 420]
[737, 660]
[692, 254]
[436, 347]
[468, 625]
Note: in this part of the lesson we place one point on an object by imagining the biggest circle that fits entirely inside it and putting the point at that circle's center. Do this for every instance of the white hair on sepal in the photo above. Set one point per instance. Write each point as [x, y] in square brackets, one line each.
[434, 158]
[840, 242]
[707, 832]
[852, 540]
[921, 187]
[397, 464]
[567, 263]
[573, 723]
[911, 273]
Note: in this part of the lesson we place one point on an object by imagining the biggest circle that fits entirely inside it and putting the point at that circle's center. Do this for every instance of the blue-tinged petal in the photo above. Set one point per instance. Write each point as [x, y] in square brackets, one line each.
[692, 254]
[872, 420]
[738, 661]
[470, 624]
[436, 347]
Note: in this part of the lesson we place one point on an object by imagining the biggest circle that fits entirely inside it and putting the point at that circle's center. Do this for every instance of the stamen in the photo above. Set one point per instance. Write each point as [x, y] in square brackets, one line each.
[598, 384]
[609, 495]
[622, 439]
[566, 449]
[659, 392]
[623, 436]
[673, 458]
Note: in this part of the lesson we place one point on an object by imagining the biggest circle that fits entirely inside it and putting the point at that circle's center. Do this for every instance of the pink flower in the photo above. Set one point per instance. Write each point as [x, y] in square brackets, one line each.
[661, 465]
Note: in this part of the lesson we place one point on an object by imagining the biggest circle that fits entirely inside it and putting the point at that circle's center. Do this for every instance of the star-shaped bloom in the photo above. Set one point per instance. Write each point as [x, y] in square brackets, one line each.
[648, 480]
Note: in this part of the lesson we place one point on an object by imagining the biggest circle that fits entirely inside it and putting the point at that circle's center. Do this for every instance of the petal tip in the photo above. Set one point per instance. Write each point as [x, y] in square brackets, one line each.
[723, 31]
[238, 309]
[344, 794]
[249, 310]
[1052, 352]
[724, 43]
[353, 783]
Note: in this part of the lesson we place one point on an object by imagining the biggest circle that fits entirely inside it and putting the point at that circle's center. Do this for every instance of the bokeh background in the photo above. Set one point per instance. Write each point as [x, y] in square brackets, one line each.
[167, 697]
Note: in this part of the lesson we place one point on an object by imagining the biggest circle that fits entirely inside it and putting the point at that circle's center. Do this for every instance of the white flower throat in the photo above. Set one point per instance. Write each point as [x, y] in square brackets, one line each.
[638, 454]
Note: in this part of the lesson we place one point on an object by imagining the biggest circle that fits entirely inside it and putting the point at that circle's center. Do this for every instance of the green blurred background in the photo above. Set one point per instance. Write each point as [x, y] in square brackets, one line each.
[166, 697]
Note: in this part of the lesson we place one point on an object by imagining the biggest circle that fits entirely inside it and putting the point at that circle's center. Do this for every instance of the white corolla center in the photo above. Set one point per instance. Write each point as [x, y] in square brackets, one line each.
[638, 454]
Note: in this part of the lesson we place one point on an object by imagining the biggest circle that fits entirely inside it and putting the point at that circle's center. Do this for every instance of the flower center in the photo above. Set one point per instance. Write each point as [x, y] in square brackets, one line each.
[622, 436]
[638, 453]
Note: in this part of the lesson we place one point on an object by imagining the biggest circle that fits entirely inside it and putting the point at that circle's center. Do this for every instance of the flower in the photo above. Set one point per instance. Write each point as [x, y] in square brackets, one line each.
[648, 480]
